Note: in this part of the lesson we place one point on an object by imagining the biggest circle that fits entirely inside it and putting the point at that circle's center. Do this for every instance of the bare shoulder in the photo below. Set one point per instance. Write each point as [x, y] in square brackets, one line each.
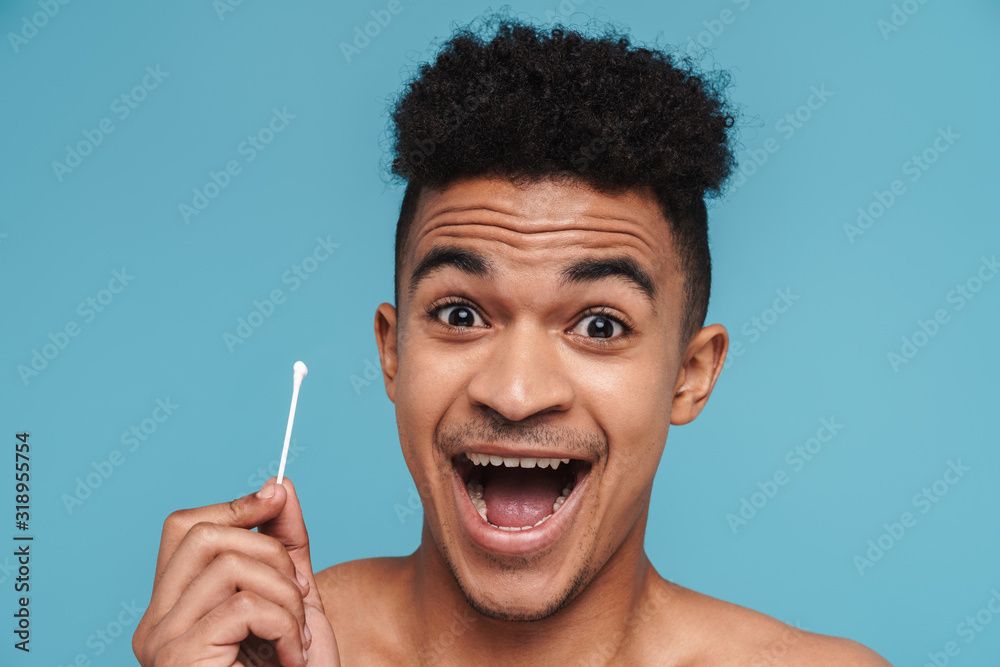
[823, 650]
[372, 580]
[728, 633]
[356, 572]
[361, 601]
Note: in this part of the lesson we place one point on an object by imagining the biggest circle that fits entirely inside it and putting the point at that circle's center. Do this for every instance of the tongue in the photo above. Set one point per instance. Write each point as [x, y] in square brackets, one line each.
[517, 497]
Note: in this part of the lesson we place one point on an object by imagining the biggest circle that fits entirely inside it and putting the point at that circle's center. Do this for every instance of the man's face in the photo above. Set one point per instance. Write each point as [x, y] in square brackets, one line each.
[523, 344]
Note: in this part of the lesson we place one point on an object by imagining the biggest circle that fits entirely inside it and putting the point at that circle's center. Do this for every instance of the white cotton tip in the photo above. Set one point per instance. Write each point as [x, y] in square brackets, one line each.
[300, 370]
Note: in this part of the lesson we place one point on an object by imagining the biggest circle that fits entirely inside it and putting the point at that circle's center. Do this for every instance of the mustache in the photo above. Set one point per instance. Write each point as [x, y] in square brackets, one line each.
[496, 429]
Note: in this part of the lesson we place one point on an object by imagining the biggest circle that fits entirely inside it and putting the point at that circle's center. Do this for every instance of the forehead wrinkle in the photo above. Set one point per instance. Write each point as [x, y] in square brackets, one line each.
[549, 202]
[492, 219]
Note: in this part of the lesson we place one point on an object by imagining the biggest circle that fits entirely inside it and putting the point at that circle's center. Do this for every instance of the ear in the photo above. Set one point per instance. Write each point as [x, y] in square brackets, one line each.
[702, 362]
[388, 353]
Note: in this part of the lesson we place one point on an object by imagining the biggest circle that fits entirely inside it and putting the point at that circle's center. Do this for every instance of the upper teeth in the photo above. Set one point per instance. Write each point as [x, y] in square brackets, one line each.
[513, 462]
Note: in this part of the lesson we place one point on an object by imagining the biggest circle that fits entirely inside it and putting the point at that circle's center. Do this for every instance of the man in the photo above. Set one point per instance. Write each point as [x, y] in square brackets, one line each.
[552, 280]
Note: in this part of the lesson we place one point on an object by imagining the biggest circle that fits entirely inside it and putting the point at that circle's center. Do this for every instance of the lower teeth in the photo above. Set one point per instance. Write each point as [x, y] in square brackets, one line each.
[475, 490]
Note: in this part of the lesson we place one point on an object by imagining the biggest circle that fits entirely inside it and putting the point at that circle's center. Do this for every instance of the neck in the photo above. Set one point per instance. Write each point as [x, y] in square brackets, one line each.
[595, 627]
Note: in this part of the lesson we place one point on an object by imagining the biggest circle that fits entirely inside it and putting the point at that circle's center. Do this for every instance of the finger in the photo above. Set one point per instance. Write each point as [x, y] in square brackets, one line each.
[201, 546]
[228, 574]
[289, 528]
[217, 636]
[246, 512]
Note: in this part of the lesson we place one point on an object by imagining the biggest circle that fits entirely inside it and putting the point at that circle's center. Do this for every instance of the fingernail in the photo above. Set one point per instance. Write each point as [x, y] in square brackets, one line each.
[309, 637]
[305, 658]
[303, 582]
[266, 491]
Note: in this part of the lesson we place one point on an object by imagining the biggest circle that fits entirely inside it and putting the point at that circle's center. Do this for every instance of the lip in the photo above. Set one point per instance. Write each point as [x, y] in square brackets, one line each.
[522, 542]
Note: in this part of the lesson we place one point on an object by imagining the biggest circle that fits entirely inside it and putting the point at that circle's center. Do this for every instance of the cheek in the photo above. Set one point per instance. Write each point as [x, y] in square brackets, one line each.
[639, 391]
[425, 387]
[632, 404]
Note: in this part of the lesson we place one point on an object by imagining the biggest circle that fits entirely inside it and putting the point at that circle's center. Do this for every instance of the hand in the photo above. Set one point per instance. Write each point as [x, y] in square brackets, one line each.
[225, 595]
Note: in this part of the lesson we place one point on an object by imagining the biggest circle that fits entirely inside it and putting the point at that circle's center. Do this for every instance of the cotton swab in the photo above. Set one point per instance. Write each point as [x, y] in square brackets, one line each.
[299, 371]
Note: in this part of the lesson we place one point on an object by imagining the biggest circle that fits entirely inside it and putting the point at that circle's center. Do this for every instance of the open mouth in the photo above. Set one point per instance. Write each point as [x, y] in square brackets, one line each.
[518, 493]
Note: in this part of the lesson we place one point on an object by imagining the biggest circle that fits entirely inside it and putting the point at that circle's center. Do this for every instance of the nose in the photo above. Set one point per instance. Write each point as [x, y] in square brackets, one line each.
[523, 374]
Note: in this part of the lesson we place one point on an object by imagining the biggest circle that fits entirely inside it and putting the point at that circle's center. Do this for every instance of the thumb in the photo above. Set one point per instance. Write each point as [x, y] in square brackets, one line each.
[289, 528]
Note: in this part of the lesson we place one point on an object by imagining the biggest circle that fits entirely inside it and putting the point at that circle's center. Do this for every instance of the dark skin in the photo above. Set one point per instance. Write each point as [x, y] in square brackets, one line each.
[507, 364]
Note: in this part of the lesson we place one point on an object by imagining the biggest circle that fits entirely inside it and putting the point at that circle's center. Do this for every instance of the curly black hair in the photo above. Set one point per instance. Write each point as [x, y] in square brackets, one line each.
[527, 103]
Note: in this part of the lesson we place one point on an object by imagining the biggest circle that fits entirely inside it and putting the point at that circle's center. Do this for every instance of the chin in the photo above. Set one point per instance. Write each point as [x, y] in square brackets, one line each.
[516, 589]
[513, 599]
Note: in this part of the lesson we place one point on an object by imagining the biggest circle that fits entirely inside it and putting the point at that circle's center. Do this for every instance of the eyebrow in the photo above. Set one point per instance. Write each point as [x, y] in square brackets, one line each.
[588, 270]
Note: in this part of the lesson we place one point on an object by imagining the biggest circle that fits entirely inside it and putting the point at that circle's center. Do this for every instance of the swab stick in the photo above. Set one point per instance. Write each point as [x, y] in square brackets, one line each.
[299, 371]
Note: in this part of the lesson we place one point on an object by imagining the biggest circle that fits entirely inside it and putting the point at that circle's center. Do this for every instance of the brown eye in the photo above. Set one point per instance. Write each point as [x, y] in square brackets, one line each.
[601, 326]
[456, 315]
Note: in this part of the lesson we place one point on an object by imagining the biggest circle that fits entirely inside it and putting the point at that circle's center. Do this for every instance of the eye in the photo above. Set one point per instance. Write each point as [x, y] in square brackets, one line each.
[601, 325]
[598, 325]
[454, 314]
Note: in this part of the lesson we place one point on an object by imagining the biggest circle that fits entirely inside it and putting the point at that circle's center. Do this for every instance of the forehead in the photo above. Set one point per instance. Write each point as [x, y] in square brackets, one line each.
[622, 234]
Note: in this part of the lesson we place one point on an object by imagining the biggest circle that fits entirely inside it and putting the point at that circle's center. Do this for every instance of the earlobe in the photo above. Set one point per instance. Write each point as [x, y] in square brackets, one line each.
[703, 361]
[388, 352]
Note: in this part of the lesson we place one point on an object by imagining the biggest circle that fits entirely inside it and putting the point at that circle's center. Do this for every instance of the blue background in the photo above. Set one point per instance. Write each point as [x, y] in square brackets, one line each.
[857, 295]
